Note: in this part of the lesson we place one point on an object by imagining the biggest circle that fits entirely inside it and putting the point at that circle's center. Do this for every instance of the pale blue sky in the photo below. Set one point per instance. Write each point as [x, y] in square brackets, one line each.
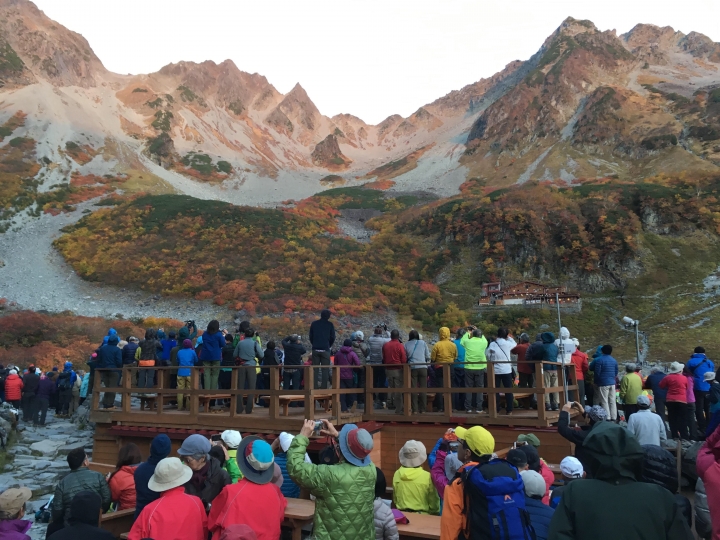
[370, 58]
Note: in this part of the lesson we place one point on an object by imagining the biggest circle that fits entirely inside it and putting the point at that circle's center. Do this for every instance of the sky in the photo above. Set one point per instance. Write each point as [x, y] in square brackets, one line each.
[370, 58]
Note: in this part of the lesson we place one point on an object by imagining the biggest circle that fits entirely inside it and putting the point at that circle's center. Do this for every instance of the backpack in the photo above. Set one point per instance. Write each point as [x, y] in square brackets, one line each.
[65, 381]
[495, 503]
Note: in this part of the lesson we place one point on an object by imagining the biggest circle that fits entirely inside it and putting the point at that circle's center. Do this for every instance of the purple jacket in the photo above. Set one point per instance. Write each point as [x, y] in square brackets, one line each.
[437, 473]
[346, 357]
[15, 529]
[46, 388]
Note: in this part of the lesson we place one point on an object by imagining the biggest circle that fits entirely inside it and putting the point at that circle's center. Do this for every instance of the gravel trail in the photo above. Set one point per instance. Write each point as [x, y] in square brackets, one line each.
[36, 277]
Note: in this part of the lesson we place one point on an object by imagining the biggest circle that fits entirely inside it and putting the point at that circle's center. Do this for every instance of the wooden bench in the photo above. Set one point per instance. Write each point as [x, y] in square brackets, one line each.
[299, 513]
[150, 401]
[205, 400]
[117, 523]
[419, 526]
[285, 401]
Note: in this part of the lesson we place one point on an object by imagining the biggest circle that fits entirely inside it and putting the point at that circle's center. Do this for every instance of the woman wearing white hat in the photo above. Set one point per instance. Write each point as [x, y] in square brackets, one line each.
[676, 385]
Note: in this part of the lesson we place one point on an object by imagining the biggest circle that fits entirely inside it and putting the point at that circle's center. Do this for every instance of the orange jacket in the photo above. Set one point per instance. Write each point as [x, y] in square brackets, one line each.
[13, 388]
[453, 521]
[580, 359]
[122, 487]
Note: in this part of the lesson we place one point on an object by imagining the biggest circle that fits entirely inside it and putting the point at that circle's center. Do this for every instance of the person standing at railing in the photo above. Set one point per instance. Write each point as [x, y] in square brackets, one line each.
[248, 352]
[458, 370]
[393, 358]
[109, 357]
[550, 371]
[580, 360]
[346, 357]
[443, 352]
[605, 368]
[293, 352]
[526, 370]
[186, 359]
[362, 351]
[499, 353]
[418, 356]
[376, 343]
[227, 363]
[211, 354]
[146, 356]
[475, 345]
[322, 337]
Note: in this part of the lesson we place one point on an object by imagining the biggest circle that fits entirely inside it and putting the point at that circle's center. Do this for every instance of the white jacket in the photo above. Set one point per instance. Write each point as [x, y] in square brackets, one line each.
[501, 355]
[567, 345]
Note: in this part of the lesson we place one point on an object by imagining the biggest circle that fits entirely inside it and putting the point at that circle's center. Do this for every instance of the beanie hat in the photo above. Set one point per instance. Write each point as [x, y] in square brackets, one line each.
[160, 447]
[187, 344]
[596, 413]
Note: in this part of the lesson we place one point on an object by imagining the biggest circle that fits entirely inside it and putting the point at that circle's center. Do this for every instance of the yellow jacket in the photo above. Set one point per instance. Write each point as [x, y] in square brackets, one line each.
[414, 491]
[444, 351]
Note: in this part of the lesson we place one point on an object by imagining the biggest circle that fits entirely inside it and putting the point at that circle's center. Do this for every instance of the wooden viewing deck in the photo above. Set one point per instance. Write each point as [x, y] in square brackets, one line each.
[278, 416]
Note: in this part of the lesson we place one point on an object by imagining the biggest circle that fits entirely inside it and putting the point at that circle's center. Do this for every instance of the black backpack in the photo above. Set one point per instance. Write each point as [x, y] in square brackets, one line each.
[65, 381]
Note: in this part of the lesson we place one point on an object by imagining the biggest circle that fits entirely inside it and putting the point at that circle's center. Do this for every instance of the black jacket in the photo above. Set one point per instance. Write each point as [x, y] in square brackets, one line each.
[270, 358]
[149, 349]
[128, 353]
[322, 335]
[293, 352]
[109, 356]
[228, 356]
[31, 383]
[82, 531]
[575, 436]
[217, 479]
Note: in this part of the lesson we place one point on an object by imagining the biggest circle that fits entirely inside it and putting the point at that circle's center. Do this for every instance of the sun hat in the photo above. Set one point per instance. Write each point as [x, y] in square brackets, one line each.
[517, 457]
[412, 454]
[194, 444]
[529, 438]
[709, 376]
[231, 438]
[356, 445]
[675, 367]
[12, 501]
[255, 459]
[596, 413]
[534, 484]
[643, 401]
[169, 473]
[452, 465]
[477, 438]
[571, 467]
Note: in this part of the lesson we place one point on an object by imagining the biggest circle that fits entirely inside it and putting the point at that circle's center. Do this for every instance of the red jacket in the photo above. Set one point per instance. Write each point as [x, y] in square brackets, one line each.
[175, 516]
[676, 386]
[394, 353]
[549, 478]
[708, 469]
[580, 359]
[521, 350]
[122, 487]
[13, 388]
[262, 507]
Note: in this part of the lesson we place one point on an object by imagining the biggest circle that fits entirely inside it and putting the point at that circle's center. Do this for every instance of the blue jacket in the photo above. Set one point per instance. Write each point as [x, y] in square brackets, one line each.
[212, 345]
[128, 353]
[653, 382]
[109, 356]
[289, 488]
[606, 370]
[540, 516]
[699, 365]
[187, 358]
[551, 350]
[167, 345]
[461, 351]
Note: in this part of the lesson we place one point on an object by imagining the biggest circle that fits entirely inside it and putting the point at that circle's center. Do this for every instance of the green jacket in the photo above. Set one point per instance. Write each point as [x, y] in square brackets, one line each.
[631, 387]
[231, 466]
[474, 351]
[615, 504]
[344, 494]
[414, 491]
[82, 479]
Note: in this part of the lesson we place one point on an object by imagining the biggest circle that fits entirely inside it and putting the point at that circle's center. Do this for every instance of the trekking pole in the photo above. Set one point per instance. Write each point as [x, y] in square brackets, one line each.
[562, 348]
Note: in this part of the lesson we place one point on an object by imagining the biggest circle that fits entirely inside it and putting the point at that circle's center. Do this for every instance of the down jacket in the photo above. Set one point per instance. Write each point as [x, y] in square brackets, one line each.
[13, 388]
[344, 494]
[385, 526]
[82, 479]
[606, 370]
[708, 469]
[659, 467]
[703, 525]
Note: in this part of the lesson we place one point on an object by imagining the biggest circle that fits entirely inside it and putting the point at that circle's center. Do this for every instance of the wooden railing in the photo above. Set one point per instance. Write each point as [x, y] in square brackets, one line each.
[164, 394]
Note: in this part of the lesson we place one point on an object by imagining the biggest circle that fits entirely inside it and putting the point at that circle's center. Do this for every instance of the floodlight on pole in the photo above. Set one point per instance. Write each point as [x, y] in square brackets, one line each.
[632, 322]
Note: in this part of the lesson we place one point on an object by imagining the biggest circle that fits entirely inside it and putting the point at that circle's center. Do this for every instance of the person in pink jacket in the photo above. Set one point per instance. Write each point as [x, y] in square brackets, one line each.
[708, 469]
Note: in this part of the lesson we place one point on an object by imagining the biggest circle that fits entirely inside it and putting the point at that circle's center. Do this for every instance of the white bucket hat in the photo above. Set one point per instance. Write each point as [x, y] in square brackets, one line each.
[675, 367]
[169, 473]
[413, 454]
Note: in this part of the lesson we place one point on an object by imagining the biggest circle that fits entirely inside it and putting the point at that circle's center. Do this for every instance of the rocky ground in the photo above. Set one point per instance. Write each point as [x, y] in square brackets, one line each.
[38, 459]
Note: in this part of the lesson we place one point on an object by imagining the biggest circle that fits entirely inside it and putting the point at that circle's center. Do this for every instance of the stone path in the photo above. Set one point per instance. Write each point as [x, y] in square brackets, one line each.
[38, 460]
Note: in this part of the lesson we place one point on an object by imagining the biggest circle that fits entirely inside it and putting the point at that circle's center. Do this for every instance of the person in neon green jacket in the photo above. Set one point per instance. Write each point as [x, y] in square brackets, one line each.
[475, 366]
[413, 490]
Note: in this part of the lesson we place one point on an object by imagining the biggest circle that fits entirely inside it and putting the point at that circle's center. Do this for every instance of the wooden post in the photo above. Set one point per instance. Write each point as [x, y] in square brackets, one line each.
[369, 397]
[194, 397]
[407, 394]
[96, 391]
[274, 404]
[561, 395]
[309, 376]
[492, 396]
[540, 383]
[447, 390]
[335, 396]
[234, 376]
[127, 378]
[160, 400]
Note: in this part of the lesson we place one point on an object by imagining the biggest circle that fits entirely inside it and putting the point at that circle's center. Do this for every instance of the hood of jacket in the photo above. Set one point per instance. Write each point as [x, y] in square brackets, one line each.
[564, 333]
[444, 333]
[113, 341]
[411, 474]
[85, 508]
[547, 337]
[20, 526]
[183, 333]
[346, 350]
[614, 454]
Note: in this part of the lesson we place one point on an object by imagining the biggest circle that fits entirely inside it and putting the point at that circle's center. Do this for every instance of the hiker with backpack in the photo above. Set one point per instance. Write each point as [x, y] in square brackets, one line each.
[65, 383]
[486, 493]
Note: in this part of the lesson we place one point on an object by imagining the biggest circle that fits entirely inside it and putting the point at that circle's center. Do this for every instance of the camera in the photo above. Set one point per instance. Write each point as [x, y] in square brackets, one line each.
[454, 446]
[318, 426]
[190, 324]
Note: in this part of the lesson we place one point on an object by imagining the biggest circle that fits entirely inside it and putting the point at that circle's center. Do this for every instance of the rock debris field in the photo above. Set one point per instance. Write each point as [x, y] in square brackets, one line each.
[38, 460]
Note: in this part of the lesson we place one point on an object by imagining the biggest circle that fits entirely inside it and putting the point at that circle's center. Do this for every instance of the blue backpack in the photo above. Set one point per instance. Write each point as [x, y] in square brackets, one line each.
[495, 503]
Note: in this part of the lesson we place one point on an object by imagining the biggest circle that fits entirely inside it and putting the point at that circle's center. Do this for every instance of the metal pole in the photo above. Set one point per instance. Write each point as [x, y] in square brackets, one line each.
[562, 348]
[637, 341]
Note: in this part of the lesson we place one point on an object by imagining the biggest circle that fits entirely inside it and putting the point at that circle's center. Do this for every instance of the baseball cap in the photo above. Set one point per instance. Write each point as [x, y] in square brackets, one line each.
[12, 501]
[477, 438]
[517, 457]
[571, 467]
[534, 484]
[194, 444]
[643, 401]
